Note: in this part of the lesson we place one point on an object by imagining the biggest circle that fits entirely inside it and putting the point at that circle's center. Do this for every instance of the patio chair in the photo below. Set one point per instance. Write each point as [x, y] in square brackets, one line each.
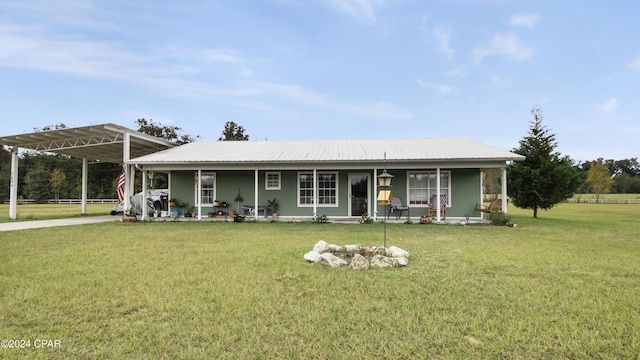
[397, 207]
[433, 206]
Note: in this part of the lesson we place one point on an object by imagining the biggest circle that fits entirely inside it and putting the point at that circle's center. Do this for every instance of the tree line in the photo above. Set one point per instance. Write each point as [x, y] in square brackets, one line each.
[543, 179]
[47, 176]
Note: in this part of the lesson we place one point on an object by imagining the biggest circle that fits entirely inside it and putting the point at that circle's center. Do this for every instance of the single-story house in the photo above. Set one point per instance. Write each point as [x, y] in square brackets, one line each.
[336, 178]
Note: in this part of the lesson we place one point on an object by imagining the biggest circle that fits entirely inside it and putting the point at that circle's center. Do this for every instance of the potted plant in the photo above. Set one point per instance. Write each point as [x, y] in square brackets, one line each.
[425, 219]
[129, 215]
[152, 213]
[273, 206]
[173, 202]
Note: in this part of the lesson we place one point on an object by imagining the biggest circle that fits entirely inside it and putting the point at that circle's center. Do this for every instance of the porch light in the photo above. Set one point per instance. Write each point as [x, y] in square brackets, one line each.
[384, 195]
[384, 179]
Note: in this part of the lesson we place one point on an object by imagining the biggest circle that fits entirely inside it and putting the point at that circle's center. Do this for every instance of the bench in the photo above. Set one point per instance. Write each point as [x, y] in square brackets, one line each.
[250, 210]
[494, 206]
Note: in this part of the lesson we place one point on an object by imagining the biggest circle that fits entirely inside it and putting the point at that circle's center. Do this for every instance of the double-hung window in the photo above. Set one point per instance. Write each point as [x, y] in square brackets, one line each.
[207, 188]
[326, 186]
[272, 181]
[422, 185]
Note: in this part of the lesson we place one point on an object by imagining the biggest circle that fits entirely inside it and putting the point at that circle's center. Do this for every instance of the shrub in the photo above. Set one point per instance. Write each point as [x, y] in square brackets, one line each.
[500, 218]
[322, 219]
[366, 219]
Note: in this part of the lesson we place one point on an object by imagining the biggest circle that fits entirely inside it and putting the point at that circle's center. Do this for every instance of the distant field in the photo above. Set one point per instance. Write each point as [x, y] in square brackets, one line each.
[607, 196]
[565, 285]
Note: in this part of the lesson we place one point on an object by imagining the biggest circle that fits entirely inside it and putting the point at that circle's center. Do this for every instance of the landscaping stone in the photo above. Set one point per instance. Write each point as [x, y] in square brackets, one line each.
[312, 256]
[321, 246]
[331, 260]
[380, 261]
[359, 262]
[357, 257]
[396, 252]
[335, 248]
[352, 248]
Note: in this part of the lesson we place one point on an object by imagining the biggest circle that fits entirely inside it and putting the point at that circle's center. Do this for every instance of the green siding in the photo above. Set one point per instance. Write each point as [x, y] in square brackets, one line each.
[465, 190]
[465, 187]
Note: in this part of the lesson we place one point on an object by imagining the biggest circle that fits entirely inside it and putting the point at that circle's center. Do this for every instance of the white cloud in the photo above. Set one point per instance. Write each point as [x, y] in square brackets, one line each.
[503, 44]
[458, 71]
[635, 64]
[442, 89]
[524, 20]
[360, 9]
[444, 37]
[610, 106]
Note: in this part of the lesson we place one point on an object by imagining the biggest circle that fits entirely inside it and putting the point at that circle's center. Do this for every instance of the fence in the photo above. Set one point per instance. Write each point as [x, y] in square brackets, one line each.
[68, 201]
[603, 201]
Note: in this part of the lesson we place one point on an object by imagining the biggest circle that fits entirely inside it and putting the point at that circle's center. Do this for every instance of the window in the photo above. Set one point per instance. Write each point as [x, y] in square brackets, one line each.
[423, 184]
[207, 188]
[327, 187]
[272, 181]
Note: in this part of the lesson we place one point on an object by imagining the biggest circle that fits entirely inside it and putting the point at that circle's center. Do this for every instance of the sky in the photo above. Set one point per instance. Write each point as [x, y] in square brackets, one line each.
[330, 69]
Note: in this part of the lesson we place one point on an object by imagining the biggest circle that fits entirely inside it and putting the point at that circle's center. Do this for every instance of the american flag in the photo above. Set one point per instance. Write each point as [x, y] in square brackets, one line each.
[120, 187]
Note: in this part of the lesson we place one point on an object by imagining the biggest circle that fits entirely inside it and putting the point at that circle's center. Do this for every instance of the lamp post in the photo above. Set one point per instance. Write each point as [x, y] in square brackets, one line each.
[384, 194]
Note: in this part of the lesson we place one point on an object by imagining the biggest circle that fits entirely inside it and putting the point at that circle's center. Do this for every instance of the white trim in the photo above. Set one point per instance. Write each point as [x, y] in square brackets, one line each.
[198, 185]
[255, 207]
[145, 212]
[438, 173]
[504, 190]
[438, 192]
[85, 171]
[315, 189]
[350, 194]
[13, 185]
[199, 193]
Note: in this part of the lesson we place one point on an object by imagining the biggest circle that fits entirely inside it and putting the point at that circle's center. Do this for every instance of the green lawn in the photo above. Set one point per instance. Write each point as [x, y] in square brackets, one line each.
[52, 211]
[565, 285]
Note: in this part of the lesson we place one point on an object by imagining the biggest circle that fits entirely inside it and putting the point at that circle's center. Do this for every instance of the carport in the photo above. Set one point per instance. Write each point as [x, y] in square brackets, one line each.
[93, 144]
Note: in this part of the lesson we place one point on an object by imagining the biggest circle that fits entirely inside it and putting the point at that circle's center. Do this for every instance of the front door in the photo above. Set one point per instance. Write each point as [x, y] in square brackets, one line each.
[359, 194]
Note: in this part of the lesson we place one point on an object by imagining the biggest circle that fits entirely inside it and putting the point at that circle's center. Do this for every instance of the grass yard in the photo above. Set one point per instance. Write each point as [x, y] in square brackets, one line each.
[52, 211]
[565, 285]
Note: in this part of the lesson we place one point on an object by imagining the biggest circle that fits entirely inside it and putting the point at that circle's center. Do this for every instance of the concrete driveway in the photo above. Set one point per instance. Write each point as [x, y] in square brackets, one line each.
[22, 225]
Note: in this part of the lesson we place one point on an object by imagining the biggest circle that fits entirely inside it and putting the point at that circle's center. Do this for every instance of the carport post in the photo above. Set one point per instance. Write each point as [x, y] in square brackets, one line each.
[13, 184]
[85, 166]
[128, 180]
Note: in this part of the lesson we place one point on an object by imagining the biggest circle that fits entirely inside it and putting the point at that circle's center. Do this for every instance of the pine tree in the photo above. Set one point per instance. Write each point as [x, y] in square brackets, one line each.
[544, 178]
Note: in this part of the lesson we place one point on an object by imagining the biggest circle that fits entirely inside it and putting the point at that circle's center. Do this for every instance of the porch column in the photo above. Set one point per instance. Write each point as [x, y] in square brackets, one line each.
[315, 193]
[169, 195]
[375, 194]
[145, 212]
[13, 185]
[255, 190]
[481, 202]
[85, 167]
[438, 205]
[504, 190]
[128, 181]
[128, 186]
[199, 194]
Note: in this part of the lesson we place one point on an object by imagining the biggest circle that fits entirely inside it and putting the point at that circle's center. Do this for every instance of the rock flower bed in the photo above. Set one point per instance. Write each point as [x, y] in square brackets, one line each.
[357, 257]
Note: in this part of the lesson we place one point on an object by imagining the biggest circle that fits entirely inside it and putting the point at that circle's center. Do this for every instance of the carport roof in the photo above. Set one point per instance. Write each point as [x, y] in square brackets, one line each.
[97, 143]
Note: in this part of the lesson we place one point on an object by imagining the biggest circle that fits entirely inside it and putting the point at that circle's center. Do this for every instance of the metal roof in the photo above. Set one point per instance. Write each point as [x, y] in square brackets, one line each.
[97, 143]
[329, 151]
